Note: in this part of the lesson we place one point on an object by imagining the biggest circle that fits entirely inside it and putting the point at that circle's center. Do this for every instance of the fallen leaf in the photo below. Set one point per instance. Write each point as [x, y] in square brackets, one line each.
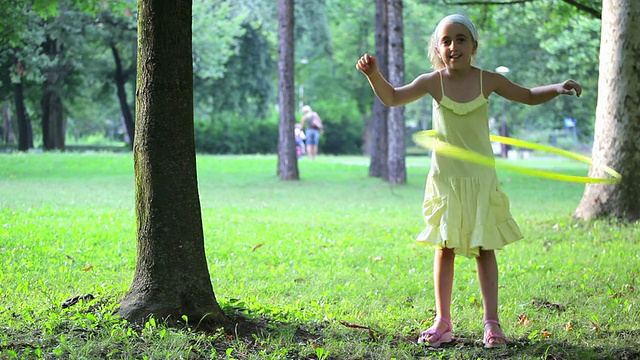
[523, 320]
[545, 334]
[477, 303]
[568, 326]
[594, 326]
[257, 247]
[88, 268]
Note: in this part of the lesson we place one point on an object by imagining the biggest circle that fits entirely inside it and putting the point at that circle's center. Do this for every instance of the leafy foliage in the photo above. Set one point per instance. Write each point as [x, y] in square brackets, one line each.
[246, 87]
[234, 44]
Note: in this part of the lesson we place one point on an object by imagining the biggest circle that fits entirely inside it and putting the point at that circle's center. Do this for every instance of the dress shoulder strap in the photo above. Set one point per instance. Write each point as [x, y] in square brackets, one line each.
[481, 90]
[441, 83]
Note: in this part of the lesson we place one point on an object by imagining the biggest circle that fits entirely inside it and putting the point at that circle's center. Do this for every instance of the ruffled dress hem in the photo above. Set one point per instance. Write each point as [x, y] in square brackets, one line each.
[469, 244]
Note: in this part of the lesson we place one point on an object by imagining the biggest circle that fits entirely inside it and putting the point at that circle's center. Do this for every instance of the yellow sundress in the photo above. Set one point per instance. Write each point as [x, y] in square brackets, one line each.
[464, 208]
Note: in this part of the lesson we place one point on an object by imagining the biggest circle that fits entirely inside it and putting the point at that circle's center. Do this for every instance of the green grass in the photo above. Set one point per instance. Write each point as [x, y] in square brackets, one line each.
[300, 258]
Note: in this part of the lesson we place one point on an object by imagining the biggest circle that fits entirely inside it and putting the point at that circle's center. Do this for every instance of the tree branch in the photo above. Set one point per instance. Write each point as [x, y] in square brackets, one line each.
[582, 7]
[480, 2]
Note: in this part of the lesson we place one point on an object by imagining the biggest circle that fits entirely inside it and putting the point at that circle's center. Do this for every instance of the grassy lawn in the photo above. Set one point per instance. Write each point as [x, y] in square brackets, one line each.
[303, 260]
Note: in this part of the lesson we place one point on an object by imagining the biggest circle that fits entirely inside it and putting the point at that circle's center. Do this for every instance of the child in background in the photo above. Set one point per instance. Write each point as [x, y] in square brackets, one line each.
[300, 138]
[464, 209]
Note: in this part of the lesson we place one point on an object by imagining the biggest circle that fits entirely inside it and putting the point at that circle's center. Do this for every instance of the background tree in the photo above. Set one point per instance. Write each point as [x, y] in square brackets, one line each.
[62, 50]
[287, 160]
[379, 145]
[20, 51]
[396, 160]
[171, 277]
[557, 39]
[324, 67]
[117, 30]
[617, 133]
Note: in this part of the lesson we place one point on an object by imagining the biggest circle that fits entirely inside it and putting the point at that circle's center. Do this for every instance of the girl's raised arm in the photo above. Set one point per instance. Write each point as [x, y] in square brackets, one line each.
[388, 94]
[531, 96]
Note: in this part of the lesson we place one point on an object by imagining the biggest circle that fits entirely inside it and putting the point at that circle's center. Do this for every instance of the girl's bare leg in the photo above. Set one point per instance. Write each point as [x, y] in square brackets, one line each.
[443, 284]
[488, 277]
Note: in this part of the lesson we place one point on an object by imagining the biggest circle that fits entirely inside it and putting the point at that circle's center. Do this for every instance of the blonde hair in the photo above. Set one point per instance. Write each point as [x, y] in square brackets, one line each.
[305, 109]
[436, 61]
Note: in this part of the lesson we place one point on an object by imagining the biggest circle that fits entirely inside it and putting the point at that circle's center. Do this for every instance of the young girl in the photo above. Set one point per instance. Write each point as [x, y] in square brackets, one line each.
[464, 209]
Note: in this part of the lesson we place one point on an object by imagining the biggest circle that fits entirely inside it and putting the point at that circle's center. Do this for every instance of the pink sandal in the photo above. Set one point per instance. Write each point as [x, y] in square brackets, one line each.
[490, 336]
[438, 336]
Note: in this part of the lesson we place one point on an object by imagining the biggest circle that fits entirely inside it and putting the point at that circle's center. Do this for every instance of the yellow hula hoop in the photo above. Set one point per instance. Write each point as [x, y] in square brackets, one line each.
[428, 139]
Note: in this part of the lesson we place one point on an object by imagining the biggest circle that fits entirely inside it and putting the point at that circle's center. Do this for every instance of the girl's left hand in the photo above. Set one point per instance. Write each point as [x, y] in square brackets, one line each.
[569, 86]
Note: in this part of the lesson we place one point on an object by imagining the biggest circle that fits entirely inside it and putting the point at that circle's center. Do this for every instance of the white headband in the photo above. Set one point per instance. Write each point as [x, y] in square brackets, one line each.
[460, 19]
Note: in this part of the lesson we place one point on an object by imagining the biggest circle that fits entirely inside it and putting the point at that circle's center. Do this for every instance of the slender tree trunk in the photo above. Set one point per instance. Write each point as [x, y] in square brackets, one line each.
[171, 277]
[121, 80]
[379, 166]
[8, 136]
[287, 159]
[5, 110]
[47, 139]
[397, 166]
[24, 126]
[617, 131]
[57, 121]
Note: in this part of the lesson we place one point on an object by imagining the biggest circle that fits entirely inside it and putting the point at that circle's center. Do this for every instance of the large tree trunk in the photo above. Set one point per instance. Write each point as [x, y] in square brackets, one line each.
[617, 132]
[53, 125]
[121, 80]
[397, 166]
[171, 277]
[287, 159]
[378, 166]
[52, 118]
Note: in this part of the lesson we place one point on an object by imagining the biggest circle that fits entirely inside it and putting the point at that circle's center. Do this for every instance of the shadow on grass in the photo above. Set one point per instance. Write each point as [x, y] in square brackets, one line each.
[260, 335]
[523, 348]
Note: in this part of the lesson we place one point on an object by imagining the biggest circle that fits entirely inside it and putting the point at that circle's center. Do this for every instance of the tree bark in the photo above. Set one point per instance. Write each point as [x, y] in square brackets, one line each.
[121, 80]
[171, 279]
[287, 159]
[617, 130]
[8, 136]
[24, 127]
[57, 121]
[47, 139]
[378, 166]
[53, 123]
[397, 166]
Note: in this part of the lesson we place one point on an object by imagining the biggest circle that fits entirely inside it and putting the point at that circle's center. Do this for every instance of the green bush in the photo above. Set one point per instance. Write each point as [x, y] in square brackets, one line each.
[343, 128]
[227, 133]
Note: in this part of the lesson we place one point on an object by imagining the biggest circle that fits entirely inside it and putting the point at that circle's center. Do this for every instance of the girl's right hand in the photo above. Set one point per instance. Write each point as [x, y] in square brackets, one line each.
[367, 64]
